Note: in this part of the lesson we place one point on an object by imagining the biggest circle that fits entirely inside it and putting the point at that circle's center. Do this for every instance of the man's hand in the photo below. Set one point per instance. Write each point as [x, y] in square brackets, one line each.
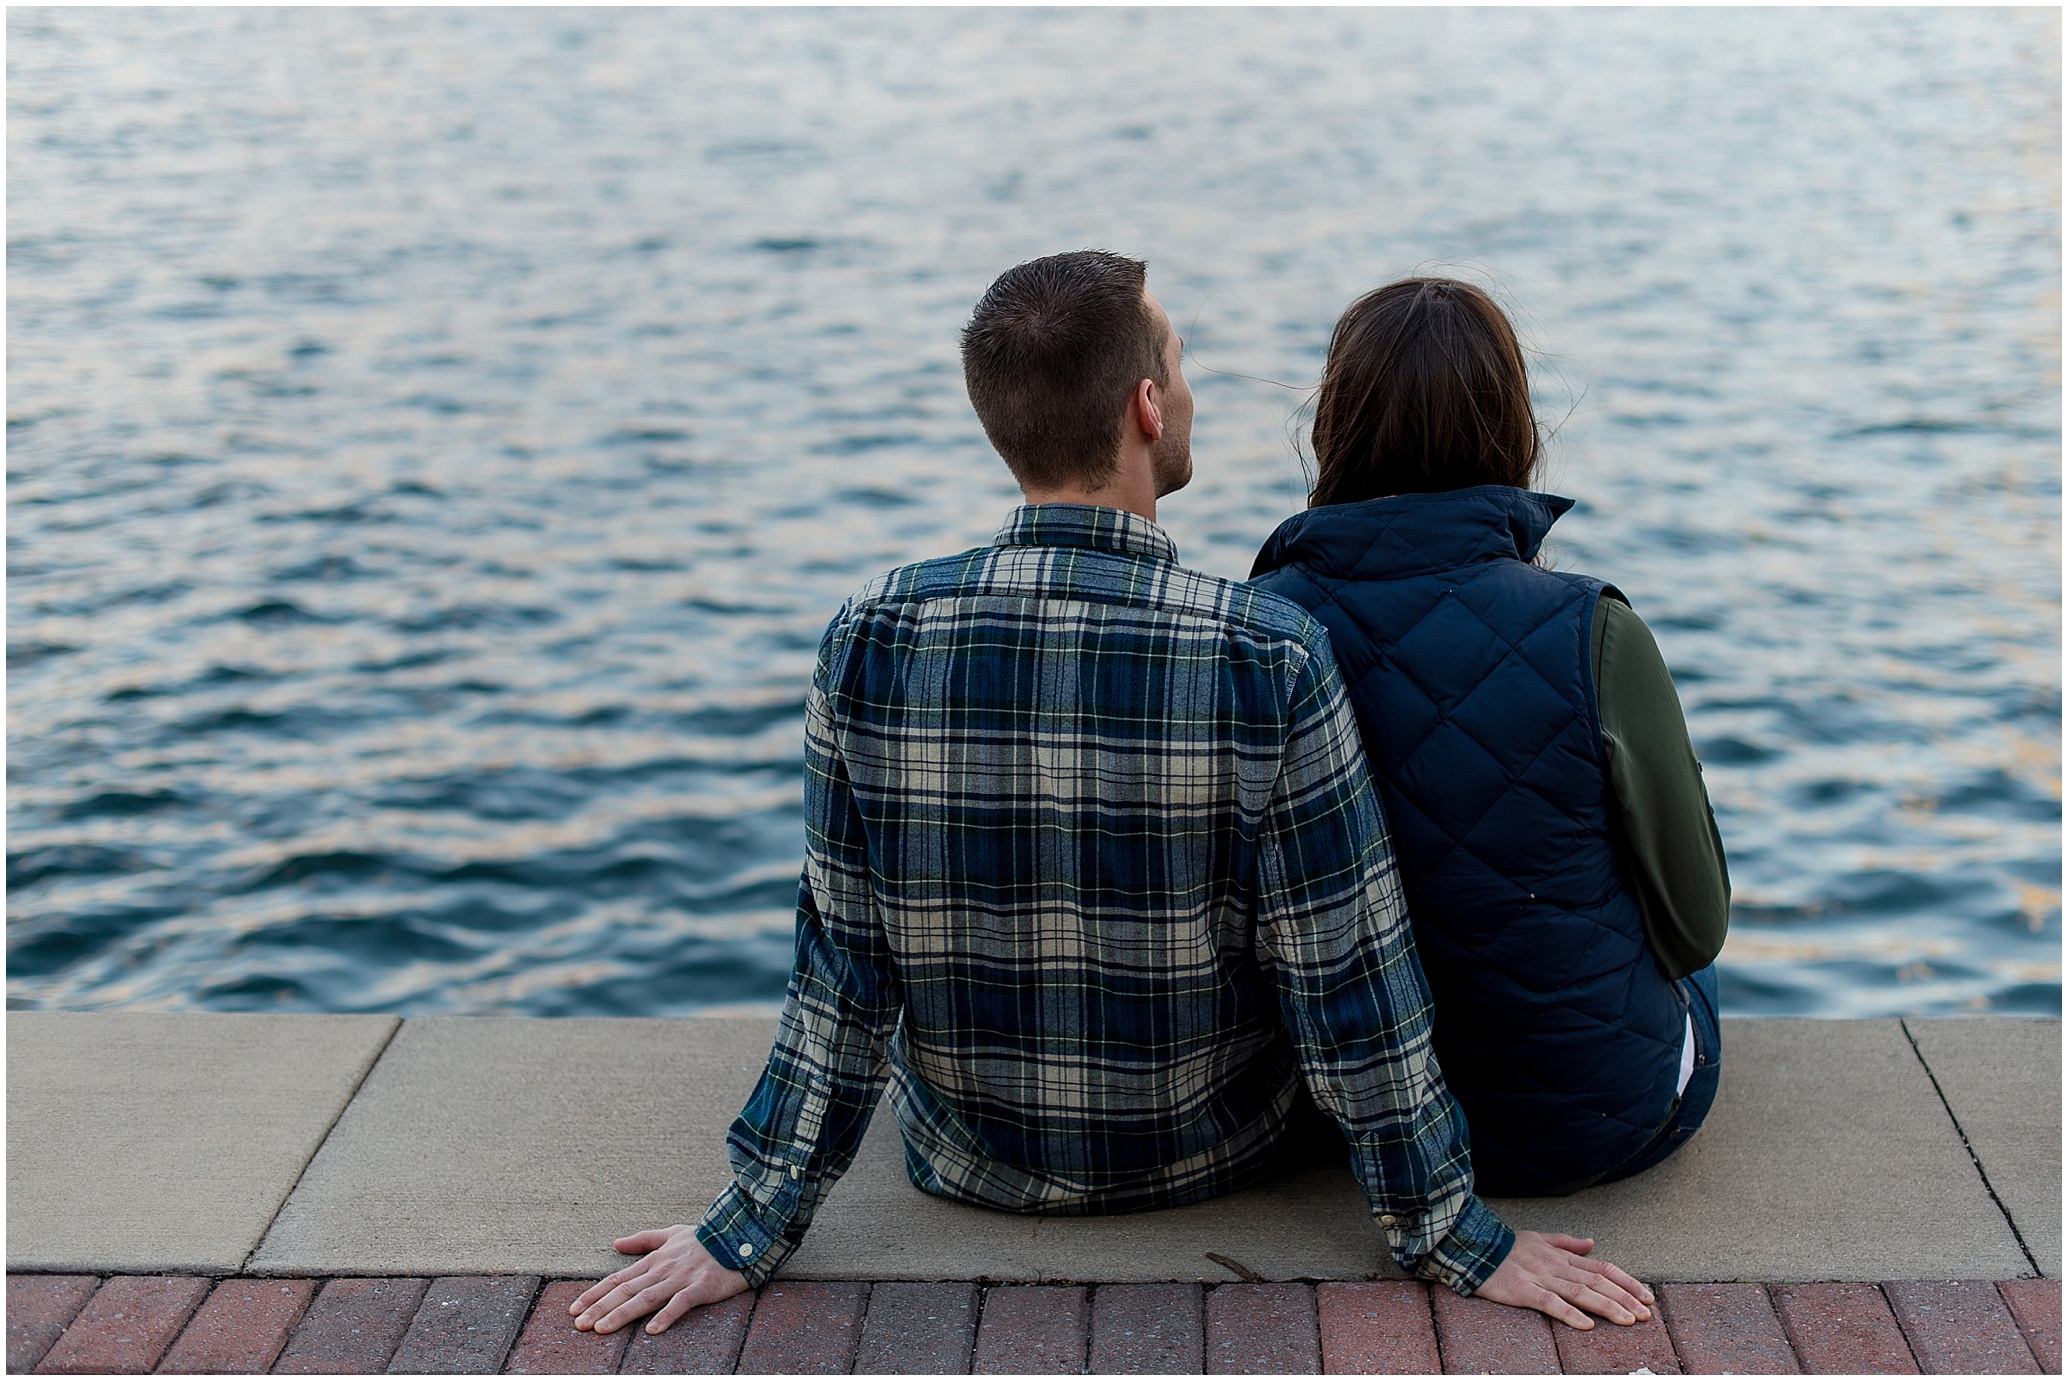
[675, 1276]
[1550, 1272]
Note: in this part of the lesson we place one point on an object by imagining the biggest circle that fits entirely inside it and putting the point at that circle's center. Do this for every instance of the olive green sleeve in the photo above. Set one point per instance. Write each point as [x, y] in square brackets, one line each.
[1674, 853]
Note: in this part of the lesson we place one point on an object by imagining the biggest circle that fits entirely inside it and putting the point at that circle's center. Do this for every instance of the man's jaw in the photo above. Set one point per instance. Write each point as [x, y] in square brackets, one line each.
[1173, 472]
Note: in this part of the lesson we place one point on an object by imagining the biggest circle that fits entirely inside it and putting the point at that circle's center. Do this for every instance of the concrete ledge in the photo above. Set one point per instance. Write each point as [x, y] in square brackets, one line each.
[527, 1145]
[1829, 1156]
[523, 1146]
[150, 1142]
[2002, 1083]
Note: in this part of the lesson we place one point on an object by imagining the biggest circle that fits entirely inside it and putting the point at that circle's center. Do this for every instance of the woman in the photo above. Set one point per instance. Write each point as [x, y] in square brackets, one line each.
[1562, 867]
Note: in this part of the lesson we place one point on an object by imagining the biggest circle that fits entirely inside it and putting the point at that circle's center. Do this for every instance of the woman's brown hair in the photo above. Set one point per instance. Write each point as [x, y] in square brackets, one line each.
[1424, 391]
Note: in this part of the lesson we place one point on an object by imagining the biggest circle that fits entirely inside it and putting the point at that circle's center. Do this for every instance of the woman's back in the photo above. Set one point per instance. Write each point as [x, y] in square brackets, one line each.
[1469, 672]
[1554, 953]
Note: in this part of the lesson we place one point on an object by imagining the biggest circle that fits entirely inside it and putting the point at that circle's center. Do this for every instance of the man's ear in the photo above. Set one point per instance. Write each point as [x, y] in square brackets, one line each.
[1148, 416]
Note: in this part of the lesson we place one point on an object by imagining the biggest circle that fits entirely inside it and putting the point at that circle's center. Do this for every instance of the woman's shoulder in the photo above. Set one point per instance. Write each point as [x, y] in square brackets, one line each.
[1296, 585]
[1629, 667]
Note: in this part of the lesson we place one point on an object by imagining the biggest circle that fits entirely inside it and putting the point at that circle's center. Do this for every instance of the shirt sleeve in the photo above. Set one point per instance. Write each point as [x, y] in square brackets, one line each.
[804, 1121]
[1332, 928]
[1674, 852]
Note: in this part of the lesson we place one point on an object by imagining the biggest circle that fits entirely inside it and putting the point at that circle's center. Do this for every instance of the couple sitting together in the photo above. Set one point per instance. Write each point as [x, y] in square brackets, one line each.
[1098, 881]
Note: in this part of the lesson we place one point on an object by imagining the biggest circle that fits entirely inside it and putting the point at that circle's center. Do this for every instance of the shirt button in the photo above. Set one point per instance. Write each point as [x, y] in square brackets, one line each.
[746, 1249]
[1387, 1220]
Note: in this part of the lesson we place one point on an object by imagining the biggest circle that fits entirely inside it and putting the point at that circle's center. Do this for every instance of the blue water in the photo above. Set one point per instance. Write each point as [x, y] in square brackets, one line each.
[439, 437]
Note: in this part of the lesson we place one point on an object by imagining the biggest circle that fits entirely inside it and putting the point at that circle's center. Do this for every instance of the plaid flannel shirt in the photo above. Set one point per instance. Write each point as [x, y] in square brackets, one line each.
[1094, 874]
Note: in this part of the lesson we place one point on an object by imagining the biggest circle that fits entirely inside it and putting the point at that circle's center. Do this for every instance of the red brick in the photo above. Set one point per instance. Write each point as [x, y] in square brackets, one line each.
[465, 1324]
[127, 1325]
[2036, 1305]
[242, 1327]
[1482, 1337]
[1031, 1330]
[353, 1327]
[1959, 1327]
[704, 1342]
[1616, 1349]
[1152, 1329]
[1377, 1328]
[1726, 1328]
[1842, 1328]
[38, 1308]
[805, 1327]
[1262, 1330]
[918, 1330]
[551, 1345]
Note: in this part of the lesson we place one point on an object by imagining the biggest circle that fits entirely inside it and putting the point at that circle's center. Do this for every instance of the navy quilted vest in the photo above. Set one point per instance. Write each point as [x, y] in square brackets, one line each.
[1472, 677]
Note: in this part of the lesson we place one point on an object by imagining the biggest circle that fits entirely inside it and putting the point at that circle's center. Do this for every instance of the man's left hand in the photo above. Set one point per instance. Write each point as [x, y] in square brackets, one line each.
[675, 1276]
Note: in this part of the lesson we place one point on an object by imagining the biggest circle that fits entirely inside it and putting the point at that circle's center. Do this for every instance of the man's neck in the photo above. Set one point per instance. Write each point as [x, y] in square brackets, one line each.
[1123, 491]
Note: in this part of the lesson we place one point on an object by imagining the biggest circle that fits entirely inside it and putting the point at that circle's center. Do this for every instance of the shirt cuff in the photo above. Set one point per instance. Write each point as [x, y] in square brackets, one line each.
[732, 1231]
[1473, 1250]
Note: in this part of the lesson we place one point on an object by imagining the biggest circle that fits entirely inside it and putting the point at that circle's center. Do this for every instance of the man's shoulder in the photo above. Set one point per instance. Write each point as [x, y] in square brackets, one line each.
[1159, 589]
[917, 582]
[1248, 609]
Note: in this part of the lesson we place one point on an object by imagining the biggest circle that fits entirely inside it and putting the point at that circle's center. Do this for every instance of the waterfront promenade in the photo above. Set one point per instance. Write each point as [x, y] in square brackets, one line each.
[344, 1193]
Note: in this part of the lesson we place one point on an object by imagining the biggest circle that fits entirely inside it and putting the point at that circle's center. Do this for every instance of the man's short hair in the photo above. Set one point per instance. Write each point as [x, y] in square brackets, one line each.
[1050, 356]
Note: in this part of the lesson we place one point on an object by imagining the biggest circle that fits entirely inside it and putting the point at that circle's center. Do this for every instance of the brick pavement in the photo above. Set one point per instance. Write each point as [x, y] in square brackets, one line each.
[38, 1310]
[1843, 1328]
[241, 1328]
[2035, 1304]
[1477, 1337]
[1378, 1327]
[129, 1324]
[353, 1327]
[465, 1324]
[126, 1326]
[804, 1328]
[1147, 1330]
[1262, 1330]
[1032, 1330]
[919, 1330]
[1718, 1329]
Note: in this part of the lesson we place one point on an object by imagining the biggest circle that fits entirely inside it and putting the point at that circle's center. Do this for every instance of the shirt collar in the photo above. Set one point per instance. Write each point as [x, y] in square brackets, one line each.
[1082, 525]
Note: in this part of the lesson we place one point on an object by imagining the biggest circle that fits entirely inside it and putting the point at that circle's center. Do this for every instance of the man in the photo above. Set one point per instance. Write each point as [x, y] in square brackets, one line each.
[1094, 875]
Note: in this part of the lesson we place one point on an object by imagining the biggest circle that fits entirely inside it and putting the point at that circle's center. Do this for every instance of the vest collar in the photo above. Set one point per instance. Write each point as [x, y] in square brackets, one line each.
[1406, 535]
[1082, 525]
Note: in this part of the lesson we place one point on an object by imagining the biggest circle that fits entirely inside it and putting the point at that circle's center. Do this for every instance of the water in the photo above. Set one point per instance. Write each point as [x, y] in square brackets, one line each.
[439, 438]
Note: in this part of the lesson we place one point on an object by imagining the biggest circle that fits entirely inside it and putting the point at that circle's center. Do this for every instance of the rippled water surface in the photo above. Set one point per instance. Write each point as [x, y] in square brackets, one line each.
[438, 439]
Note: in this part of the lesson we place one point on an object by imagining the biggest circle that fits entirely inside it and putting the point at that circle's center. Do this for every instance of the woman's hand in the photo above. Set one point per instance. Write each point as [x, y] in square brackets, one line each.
[1550, 1272]
[675, 1276]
